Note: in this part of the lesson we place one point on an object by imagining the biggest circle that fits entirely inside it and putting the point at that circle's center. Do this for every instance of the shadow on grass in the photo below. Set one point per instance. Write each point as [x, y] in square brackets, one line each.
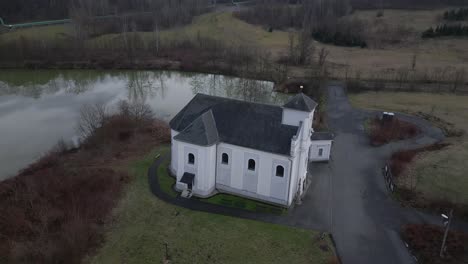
[244, 203]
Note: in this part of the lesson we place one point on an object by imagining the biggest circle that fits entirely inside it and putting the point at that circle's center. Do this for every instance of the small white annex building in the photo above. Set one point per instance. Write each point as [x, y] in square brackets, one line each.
[253, 150]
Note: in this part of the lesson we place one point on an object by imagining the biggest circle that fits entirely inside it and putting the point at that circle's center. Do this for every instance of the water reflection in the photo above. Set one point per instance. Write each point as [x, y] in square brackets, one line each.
[243, 89]
[37, 108]
[143, 84]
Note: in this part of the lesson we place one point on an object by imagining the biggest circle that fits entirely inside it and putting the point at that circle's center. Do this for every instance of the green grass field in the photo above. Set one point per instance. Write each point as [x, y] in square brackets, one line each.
[440, 174]
[142, 224]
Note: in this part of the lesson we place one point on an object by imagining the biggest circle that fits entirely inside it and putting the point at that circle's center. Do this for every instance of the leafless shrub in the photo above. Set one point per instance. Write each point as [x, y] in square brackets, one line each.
[135, 110]
[396, 129]
[61, 146]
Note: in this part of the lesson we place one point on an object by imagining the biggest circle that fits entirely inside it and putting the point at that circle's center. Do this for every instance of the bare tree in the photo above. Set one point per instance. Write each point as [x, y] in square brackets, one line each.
[459, 79]
[413, 61]
[402, 76]
[304, 46]
[156, 37]
[292, 48]
[322, 58]
[92, 117]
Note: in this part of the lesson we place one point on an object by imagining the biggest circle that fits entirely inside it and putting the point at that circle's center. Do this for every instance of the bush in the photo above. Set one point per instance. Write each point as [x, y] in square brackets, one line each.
[341, 32]
[425, 240]
[456, 14]
[54, 210]
[400, 160]
[385, 132]
[446, 30]
[54, 214]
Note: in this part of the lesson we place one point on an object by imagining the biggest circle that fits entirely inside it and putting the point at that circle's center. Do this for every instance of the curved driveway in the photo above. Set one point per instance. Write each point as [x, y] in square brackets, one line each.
[364, 220]
[347, 196]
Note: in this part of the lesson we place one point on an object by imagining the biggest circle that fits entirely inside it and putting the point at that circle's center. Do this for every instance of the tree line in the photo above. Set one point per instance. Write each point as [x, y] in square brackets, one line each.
[28, 10]
[405, 4]
[456, 14]
[325, 21]
[446, 30]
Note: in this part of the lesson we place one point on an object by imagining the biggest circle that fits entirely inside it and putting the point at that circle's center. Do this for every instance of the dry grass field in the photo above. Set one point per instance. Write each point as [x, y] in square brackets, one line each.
[440, 175]
[395, 39]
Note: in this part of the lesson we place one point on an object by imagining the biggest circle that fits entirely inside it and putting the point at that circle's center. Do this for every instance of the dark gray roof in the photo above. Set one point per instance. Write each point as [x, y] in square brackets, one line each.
[202, 131]
[322, 136]
[301, 102]
[246, 124]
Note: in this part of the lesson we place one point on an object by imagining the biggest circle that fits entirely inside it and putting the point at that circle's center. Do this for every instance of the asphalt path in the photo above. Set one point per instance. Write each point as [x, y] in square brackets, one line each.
[347, 196]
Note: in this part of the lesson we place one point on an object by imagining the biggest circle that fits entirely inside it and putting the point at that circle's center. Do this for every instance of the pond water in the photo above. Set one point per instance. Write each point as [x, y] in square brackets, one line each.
[38, 108]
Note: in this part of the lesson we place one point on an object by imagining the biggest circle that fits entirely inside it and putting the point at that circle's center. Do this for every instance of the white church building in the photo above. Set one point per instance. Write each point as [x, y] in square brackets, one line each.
[254, 150]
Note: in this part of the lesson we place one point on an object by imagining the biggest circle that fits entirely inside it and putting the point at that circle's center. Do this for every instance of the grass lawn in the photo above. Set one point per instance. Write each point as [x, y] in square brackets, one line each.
[440, 174]
[142, 224]
[165, 181]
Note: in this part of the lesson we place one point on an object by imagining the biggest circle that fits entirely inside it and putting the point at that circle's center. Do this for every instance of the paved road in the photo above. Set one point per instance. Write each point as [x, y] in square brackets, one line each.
[364, 220]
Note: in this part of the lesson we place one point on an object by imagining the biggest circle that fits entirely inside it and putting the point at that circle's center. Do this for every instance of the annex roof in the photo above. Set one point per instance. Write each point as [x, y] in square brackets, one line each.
[322, 136]
[187, 178]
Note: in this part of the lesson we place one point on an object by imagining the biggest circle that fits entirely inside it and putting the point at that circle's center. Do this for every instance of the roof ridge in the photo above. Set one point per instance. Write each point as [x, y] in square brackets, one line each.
[238, 100]
[209, 112]
[183, 111]
[206, 127]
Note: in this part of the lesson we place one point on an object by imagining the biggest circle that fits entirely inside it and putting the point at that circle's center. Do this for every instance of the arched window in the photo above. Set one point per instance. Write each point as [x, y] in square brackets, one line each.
[191, 158]
[225, 158]
[251, 165]
[280, 171]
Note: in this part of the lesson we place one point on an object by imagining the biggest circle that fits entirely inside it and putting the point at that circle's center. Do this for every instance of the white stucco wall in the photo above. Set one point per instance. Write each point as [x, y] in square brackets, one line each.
[300, 147]
[203, 168]
[263, 183]
[293, 117]
[325, 145]
[174, 152]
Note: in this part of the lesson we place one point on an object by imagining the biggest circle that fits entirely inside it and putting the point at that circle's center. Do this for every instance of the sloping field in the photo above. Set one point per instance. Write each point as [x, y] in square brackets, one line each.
[144, 224]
